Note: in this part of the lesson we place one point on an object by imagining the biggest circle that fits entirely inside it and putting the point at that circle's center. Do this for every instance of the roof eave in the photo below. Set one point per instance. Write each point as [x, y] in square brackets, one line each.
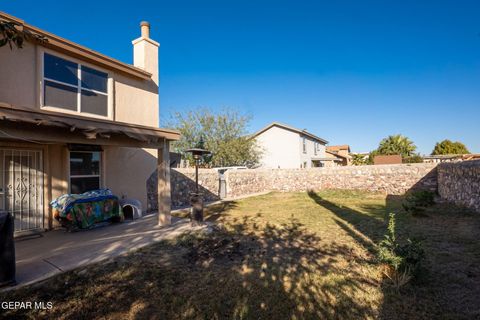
[281, 125]
[58, 43]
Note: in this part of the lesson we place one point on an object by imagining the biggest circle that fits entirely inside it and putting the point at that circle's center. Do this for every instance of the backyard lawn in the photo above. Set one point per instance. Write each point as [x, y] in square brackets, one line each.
[281, 256]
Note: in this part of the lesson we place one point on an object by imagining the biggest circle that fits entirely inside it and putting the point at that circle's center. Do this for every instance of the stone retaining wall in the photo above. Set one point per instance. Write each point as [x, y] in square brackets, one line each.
[459, 182]
[182, 183]
[391, 179]
[456, 182]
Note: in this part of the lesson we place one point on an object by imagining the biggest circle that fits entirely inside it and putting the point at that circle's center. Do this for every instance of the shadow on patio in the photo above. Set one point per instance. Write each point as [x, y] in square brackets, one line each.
[56, 251]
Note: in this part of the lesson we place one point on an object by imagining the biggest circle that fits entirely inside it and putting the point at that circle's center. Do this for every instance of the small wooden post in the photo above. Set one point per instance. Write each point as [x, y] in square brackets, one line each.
[164, 195]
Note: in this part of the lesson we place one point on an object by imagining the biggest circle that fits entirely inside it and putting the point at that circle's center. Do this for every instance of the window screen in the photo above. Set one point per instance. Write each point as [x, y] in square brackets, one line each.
[60, 96]
[95, 103]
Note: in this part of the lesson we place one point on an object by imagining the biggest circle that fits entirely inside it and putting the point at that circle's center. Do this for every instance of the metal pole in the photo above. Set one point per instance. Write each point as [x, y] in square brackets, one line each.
[196, 176]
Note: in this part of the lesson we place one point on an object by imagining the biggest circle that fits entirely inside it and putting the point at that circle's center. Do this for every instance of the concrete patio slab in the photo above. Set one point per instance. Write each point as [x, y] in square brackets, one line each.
[50, 253]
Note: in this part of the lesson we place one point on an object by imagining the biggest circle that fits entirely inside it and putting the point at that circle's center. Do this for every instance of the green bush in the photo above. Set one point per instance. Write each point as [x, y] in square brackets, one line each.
[416, 158]
[417, 201]
[401, 262]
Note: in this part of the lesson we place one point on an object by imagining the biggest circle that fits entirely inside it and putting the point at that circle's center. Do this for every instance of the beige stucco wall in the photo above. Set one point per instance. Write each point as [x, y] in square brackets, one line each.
[134, 100]
[283, 148]
[127, 171]
[58, 163]
[18, 75]
[280, 148]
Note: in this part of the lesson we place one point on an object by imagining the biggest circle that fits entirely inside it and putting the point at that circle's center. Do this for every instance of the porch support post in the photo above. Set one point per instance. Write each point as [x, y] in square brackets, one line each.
[164, 194]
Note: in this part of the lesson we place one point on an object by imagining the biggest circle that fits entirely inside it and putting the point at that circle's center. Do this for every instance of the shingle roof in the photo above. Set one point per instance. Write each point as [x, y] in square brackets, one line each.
[339, 147]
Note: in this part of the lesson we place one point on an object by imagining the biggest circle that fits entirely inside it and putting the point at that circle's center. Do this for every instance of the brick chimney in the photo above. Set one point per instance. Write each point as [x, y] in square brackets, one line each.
[145, 52]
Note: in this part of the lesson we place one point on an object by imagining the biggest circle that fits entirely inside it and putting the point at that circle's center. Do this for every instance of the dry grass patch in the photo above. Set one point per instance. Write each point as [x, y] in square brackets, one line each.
[279, 256]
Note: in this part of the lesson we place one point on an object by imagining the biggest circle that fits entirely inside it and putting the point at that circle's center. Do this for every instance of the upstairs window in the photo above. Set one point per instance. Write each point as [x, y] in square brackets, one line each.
[304, 142]
[315, 148]
[74, 87]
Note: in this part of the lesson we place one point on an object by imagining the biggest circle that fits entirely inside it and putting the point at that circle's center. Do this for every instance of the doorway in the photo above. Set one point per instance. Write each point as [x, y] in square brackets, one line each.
[21, 187]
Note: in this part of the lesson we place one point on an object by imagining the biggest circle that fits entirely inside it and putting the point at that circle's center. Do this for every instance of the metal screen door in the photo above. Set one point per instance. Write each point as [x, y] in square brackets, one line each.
[21, 191]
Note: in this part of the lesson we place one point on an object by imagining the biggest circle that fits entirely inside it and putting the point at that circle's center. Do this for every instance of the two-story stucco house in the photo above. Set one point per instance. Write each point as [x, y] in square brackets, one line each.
[73, 120]
[284, 146]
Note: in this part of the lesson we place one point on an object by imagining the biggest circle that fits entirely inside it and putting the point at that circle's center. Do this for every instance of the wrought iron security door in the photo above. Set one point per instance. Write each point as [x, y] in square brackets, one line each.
[22, 187]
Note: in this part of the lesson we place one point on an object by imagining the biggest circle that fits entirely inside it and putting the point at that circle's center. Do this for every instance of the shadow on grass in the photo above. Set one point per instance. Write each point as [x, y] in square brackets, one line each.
[365, 229]
[241, 271]
[211, 212]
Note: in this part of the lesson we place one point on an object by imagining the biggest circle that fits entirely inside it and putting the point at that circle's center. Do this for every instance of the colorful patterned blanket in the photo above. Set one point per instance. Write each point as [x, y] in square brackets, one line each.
[81, 211]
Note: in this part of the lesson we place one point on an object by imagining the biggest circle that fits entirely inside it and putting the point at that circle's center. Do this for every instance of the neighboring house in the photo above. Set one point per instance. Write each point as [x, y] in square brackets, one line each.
[340, 153]
[73, 120]
[283, 146]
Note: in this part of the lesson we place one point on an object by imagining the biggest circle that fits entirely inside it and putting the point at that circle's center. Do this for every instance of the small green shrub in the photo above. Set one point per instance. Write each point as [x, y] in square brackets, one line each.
[401, 262]
[417, 201]
[416, 158]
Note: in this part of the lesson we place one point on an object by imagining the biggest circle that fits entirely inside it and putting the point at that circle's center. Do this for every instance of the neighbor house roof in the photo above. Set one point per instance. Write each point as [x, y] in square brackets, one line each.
[89, 128]
[338, 148]
[287, 127]
[335, 154]
[75, 50]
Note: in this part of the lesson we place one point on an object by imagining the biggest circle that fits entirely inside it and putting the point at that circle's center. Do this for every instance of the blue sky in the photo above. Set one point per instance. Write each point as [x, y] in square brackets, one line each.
[351, 72]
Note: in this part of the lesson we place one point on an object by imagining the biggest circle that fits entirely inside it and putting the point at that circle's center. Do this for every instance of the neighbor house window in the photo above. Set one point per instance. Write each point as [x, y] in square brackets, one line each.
[85, 171]
[71, 86]
[304, 141]
[315, 148]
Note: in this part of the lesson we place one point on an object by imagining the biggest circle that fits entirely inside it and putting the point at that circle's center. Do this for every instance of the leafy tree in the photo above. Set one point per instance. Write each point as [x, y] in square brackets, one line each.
[449, 147]
[415, 158]
[224, 134]
[359, 159]
[14, 34]
[371, 156]
[396, 144]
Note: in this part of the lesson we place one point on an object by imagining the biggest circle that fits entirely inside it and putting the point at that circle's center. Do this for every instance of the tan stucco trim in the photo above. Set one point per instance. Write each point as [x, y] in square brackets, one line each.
[73, 49]
[155, 43]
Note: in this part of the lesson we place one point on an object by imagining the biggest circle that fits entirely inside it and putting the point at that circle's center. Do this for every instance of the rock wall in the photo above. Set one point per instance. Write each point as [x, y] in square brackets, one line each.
[456, 182]
[182, 183]
[391, 179]
[459, 182]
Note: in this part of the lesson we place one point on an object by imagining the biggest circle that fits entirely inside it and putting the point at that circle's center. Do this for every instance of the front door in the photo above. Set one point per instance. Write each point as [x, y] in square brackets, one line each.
[21, 187]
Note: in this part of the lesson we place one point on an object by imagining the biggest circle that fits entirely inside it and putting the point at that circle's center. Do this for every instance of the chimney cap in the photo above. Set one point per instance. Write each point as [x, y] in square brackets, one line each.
[145, 29]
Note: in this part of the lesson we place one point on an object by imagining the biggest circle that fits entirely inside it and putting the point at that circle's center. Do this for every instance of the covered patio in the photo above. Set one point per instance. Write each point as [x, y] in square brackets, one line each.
[48, 137]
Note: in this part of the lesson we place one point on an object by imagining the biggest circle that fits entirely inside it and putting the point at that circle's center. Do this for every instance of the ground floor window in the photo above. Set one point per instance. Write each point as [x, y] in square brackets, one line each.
[85, 171]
